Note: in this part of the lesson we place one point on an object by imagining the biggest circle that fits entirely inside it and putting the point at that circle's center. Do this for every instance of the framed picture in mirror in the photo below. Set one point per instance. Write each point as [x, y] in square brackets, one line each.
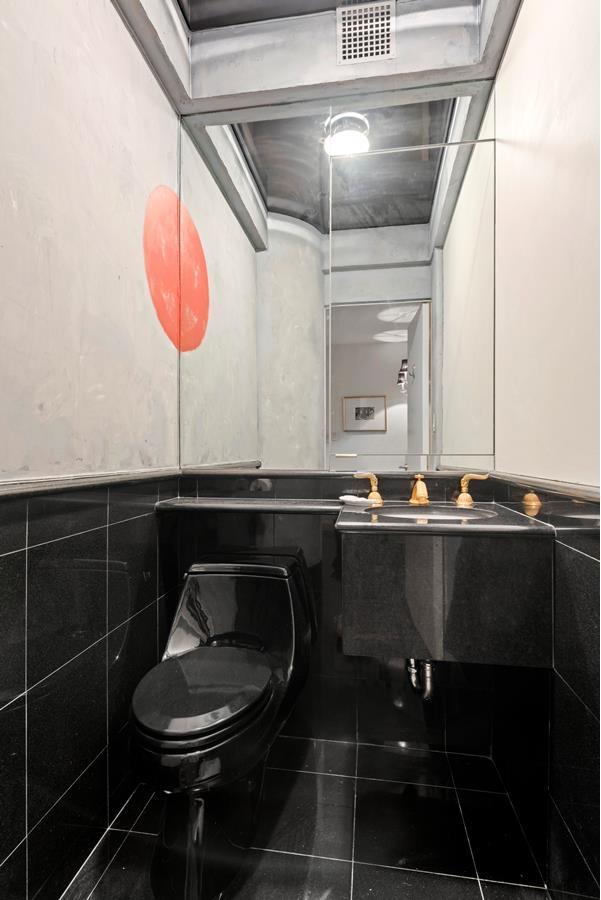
[364, 413]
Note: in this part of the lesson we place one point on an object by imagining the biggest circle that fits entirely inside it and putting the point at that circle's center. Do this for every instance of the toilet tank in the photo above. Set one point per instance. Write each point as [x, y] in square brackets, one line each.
[255, 601]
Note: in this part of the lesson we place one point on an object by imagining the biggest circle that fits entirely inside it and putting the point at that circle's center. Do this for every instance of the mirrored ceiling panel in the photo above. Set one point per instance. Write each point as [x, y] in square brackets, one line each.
[291, 167]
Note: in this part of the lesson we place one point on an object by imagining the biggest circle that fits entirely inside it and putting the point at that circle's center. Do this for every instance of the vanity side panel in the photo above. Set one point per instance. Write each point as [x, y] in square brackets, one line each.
[498, 599]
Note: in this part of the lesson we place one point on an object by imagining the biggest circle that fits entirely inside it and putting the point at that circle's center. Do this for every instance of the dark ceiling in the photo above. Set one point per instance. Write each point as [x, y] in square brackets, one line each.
[291, 168]
[215, 13]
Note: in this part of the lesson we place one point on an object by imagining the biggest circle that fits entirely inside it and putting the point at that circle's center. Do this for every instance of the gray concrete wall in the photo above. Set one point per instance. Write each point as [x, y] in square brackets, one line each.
[291, 346]
[89, 376]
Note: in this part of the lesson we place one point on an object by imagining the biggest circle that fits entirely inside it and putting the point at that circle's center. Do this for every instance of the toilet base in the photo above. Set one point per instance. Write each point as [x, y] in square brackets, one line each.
[203, 839]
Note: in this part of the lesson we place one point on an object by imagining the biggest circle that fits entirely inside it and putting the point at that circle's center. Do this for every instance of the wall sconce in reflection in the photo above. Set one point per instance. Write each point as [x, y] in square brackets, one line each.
[402, 376]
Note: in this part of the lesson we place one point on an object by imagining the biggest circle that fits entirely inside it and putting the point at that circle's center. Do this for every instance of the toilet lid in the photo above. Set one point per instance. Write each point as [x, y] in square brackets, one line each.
[200, 690]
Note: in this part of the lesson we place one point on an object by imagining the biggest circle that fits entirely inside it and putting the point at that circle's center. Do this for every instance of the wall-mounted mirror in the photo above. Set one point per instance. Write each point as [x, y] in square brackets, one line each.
[411, 293]
[365, 335]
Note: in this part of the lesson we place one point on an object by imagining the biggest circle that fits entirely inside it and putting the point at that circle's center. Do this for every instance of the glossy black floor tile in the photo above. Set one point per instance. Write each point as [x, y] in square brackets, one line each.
[304, 813]
[411, 826]
[12, 777]
[325, 710]
[404, 764]
[388, 714]
[150, 818]
[57, 515]
[66, 727]
[133, 499]
[325, 757]
[132, 574]
[66, 600]
[378, 883]
[496, 891]
[13, 875]
[132, 651]
[67, 834]
[129, 875]
[475, 772]
[12, 626]
[282, 876]
[577, 622]
[13, 516]
[500, 849]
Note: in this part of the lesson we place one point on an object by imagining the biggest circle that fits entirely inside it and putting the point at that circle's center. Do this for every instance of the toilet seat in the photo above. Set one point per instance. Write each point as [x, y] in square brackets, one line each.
[203, 693]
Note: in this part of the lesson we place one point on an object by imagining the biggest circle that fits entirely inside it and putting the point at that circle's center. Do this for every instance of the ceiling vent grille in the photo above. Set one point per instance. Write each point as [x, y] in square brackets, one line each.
[365, 31]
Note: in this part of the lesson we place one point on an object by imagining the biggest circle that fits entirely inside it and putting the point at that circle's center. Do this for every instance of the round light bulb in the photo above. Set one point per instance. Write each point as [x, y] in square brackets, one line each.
[346, 143]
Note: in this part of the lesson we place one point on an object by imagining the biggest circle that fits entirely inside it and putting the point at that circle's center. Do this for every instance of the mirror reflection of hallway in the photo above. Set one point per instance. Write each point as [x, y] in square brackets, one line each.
[379, 385]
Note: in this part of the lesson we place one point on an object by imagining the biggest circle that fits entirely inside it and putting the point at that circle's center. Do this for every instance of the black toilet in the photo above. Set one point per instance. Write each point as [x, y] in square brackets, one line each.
[204, 719]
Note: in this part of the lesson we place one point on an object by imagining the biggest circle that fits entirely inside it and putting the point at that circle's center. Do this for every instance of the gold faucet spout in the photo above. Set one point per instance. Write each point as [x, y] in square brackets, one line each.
[465, 500]
[374, 495]
[419, 494]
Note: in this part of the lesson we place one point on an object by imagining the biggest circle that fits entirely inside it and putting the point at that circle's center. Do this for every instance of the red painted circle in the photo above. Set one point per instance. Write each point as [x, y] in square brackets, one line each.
[176, 269]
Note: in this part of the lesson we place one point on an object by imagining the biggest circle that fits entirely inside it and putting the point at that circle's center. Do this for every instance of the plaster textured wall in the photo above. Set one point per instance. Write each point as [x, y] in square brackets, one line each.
[219, 378]
[291, 346]
[468, 313]
[547, 244]
[89, 377]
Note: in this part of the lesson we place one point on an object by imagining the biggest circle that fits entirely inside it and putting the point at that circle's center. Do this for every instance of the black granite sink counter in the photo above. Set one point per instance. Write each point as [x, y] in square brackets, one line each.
[440, 518]
[250, 504]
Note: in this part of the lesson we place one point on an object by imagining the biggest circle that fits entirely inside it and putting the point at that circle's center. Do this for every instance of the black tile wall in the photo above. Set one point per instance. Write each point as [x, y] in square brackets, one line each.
[577, 622]
[12, 625]
[82, 578]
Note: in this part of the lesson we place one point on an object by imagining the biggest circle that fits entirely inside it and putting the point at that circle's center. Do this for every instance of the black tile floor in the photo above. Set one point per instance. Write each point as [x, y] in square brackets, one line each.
[346, 821]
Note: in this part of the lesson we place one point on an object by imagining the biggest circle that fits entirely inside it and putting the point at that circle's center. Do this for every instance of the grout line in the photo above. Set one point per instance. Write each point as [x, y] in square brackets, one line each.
[569, 830]
[89, 647]
[66, 537]
[297, 737]
[469, 843]
[65, 792]
[355, 798]
[578, 697]
[576, 550]
[97, 844]
[444, 787]
[14, 850]
[12, 552]
[134, 831]
[26, 747]
[538, 869]
[369, 865]
[13, 699]
[132, 518]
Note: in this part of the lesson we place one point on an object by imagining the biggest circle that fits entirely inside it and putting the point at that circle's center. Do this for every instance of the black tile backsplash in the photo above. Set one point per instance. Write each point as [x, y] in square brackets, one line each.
[101, 589]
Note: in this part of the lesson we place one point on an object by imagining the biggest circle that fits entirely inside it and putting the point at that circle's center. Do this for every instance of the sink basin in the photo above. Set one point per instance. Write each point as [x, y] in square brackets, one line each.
[431, 513]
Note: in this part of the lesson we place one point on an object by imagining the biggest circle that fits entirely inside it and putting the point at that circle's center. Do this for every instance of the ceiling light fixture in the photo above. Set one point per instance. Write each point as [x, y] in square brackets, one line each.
[346, 134]
[391, 337]
[397, 314]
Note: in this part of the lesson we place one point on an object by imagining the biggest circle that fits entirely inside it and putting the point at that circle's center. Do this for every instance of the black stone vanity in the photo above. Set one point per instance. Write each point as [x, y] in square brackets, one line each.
[442, 583]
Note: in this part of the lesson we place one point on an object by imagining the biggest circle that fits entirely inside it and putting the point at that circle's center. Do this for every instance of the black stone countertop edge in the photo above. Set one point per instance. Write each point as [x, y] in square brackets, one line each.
[504, 521]
[251, 504]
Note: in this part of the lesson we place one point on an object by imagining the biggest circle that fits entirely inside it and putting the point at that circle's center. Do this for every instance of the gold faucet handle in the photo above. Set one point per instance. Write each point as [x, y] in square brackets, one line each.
[373, 480]
[419, 494]
[464, 499]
